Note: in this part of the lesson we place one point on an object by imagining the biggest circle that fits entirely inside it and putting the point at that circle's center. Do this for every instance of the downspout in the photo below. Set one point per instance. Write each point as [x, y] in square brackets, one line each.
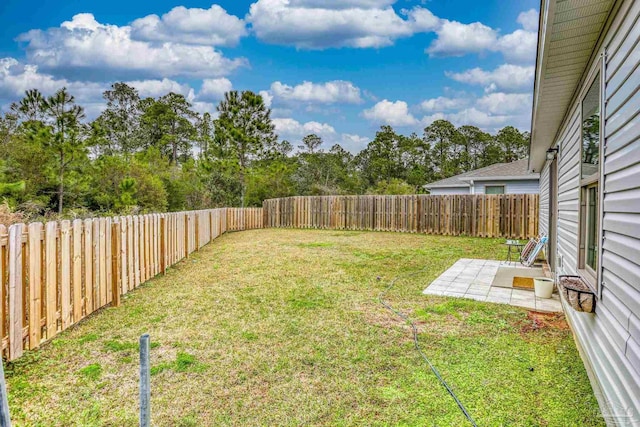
[473, 187]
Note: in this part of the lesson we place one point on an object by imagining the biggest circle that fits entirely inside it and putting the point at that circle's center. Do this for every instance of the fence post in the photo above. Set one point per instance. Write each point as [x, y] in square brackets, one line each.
[145, 382]
[419, 214]
[35, 283]
[115, 263]
[16, 281]
[5, 419]
[186, 235]
[163, 244]
[197, 231]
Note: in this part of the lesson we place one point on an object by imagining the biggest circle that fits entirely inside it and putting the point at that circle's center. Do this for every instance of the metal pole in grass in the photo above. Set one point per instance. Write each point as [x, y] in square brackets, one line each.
[145, 382]
[5, 419]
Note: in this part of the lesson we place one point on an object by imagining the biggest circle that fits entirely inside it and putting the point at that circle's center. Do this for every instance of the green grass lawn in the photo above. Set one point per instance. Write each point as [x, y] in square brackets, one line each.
[283, 327]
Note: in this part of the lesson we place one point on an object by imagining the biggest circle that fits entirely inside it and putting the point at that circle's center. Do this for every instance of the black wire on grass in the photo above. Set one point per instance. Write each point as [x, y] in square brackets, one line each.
[416, 343]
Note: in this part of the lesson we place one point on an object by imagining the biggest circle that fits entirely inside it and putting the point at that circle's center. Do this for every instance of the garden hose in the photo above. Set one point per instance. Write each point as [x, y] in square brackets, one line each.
[416, 343]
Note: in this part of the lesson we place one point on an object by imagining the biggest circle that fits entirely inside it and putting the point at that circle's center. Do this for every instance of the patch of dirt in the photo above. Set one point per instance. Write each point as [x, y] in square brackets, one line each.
[537, 321]
[379, 316]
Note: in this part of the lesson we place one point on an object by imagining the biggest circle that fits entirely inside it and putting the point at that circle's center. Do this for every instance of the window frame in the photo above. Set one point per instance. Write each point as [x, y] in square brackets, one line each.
[585, 201]
[504, 189]
[591, 277]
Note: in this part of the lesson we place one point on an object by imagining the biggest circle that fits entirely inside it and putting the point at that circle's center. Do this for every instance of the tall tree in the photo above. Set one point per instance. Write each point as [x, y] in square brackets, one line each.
[474, 141]
[309, 172]
[244, 131]
[513, 143]
[417, 161]
[204, 128]
[382, 159]
[310, 143]
[66, 140]
[444, 139]
[120, 121]
[8, 127]
[168, 124]
[30, 108]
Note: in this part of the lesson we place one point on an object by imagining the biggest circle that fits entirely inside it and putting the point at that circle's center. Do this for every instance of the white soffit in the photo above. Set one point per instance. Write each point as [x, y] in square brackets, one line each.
[569, 31]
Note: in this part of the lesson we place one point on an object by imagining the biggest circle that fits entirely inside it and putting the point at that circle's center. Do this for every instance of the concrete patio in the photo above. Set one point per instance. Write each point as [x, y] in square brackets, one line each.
[472, 278]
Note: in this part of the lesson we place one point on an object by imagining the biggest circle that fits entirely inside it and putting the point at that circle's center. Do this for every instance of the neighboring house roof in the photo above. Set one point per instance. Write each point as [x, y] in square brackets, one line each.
[569, 32]
[500, 171]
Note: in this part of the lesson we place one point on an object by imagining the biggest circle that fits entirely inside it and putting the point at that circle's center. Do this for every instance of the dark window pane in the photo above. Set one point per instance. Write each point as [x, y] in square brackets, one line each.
[591, 130]
[592, 227]
[494, 189]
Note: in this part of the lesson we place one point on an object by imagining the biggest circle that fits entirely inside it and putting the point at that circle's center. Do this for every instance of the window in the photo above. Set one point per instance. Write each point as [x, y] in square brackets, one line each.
[590, 176]
[591, 131]
[591, 227]
[494, 189]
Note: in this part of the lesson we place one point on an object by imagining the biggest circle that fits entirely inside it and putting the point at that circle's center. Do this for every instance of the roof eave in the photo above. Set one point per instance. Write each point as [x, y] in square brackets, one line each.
[543, 29]
[530, 177]
[430, 186]
[550, 108]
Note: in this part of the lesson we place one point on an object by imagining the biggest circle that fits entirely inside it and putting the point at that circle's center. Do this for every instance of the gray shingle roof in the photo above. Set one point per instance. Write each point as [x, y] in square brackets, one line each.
[513, 169]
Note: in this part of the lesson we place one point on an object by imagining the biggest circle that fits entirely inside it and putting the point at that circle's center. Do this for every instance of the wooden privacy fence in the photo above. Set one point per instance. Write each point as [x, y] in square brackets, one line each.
[509, 216]
[55, 274]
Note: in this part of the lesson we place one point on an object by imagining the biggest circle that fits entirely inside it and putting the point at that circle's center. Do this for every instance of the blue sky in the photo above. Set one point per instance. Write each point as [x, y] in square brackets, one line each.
[338, 68]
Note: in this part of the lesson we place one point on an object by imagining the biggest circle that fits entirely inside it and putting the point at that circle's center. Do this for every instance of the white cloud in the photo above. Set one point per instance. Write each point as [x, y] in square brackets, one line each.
[443, 103]
[490, 112]
[266, 97]
[390, 113]
[88, 47]
[213, 26]
[16, 78]
[312, 24]
[214, 89]
[342, 4]
[337, 91]
[458, 39]
[289, 128]
[422, 20]
[506, 77]
[353, 143]
[158, 88]
[470, 116]
[519, 46]
[505, 103]
[529, 20]
[205, 107]
[293, 131]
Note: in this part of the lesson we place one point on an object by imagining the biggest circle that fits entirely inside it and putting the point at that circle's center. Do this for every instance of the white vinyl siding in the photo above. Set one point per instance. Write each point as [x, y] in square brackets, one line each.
[510, 187]
[610, 338]
[439, 191]
[543, 223]
[621, 222]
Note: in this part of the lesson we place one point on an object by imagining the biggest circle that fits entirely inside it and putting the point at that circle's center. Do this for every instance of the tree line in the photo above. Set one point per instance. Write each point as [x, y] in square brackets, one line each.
[158, 154]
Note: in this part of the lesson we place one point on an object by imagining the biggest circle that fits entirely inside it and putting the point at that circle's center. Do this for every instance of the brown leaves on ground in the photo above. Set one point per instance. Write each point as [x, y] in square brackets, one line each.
[8, 216]
[537, 321]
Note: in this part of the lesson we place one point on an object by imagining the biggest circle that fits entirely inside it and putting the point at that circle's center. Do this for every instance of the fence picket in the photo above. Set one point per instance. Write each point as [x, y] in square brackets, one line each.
[77, 270]
[35, 283]
[65, 273]
[16, 314]
[51, 278]
[88, 266]
[512, 216]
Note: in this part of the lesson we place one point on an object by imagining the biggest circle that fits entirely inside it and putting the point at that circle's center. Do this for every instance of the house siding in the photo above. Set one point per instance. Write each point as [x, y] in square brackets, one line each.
[511, 187]
[530, 186]
[439, 191]
[543, 224]
[610, 338]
